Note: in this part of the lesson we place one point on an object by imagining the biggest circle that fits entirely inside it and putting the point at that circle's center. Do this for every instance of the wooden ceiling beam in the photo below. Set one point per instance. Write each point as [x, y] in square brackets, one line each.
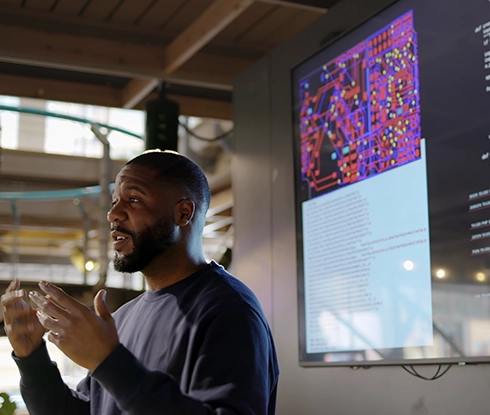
[83, 93]
[39, 258]
[214, 19]
[219, 15]
[137, 90]
[46, 21]
[72, 171]
[46, 39]
[34, 47]
[46, 222]
[23, 45]
[56, 23]
[293, 4]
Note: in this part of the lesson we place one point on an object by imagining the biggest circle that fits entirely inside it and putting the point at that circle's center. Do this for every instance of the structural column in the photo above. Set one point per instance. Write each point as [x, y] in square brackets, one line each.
[32, 128]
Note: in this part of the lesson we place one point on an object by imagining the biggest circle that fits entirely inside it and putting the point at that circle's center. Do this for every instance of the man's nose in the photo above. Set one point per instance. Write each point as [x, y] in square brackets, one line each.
[116, 213]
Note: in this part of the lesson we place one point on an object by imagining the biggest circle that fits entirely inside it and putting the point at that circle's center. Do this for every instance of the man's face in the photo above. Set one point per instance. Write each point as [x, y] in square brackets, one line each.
[141, 217]
[147, 244]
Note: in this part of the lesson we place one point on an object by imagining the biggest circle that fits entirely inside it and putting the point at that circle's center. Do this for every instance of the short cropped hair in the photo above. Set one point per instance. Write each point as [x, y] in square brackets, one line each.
[179, 171]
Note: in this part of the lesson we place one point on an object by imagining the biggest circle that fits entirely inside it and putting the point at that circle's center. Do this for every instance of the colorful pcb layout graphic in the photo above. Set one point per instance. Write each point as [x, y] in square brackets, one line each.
[360, 113]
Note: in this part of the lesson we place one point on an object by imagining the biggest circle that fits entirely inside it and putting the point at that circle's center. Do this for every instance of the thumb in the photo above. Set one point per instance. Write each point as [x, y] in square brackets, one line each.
[100, 306]
[13, 286]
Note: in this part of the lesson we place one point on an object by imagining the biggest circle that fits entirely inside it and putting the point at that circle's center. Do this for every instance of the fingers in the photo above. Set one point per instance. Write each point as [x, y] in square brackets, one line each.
[100, 305]
[61, 298]
[17, 312]
[48, 322]
[22, 326]
[13, 286]
[47, 308]
[54, 337]
[58, 312]
[11, 295]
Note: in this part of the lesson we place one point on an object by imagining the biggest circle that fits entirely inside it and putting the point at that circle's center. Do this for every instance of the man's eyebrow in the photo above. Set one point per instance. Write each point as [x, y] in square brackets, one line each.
[135, 187]
[134, 184]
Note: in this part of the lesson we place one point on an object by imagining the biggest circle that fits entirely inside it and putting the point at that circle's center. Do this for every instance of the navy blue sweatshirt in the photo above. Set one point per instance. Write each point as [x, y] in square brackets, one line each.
[200, 346]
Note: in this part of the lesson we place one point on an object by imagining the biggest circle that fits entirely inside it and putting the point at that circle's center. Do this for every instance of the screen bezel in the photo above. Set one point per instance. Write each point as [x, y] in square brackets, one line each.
[314, 360]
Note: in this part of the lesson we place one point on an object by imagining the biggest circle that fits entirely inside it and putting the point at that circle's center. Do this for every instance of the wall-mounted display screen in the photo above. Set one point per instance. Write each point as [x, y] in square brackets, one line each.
[392, 180]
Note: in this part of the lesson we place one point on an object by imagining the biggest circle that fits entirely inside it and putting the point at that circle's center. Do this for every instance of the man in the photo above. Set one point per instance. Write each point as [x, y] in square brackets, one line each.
[196, 342]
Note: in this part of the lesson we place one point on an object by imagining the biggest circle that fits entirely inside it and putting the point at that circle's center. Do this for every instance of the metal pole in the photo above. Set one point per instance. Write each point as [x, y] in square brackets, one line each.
[15, 241]
[86, 229]
[104, 205]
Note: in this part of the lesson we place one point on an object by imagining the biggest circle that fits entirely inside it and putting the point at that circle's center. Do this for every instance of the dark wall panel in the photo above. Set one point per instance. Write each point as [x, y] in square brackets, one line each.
[264, 252]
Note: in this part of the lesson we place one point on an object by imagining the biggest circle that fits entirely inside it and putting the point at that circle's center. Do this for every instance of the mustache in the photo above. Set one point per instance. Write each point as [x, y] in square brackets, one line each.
[122, 229]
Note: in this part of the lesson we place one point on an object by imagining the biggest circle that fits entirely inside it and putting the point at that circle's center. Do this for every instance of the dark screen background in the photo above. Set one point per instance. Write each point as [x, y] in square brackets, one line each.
[455, 122]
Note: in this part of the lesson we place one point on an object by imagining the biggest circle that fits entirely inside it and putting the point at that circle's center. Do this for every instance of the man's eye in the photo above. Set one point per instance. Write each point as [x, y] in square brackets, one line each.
[113, 202]
[133, 199]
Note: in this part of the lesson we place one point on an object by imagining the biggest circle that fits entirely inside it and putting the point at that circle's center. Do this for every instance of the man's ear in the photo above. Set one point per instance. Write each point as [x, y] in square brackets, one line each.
[184, 212]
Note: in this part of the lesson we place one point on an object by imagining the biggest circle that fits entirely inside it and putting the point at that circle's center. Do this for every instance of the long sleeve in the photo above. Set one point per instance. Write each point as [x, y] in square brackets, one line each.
[43, 389]
[231, 371]
[200, 346]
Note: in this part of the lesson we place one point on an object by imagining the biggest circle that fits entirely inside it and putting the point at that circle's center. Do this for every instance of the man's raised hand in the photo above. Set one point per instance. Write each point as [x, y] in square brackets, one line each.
[85, 336]
[21, 324]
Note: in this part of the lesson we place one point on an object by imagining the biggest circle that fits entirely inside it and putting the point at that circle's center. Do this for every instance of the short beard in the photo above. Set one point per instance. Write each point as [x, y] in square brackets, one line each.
[147, 244]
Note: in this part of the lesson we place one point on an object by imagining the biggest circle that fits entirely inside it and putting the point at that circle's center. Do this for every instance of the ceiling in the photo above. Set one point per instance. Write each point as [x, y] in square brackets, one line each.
[115, 53]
